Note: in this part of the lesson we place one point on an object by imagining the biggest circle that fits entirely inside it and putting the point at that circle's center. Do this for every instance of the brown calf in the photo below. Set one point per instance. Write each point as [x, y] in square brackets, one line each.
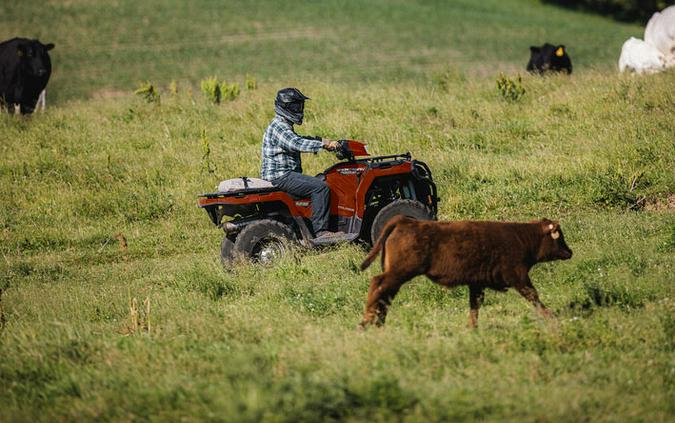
[496, 255]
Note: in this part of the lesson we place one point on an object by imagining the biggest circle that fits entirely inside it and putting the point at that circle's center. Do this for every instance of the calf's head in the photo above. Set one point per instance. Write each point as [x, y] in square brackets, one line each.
[35, 60]
[552, 245]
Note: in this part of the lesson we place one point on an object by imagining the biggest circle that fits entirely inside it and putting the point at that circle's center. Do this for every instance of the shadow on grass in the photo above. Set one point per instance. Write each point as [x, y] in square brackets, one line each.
[606, 294]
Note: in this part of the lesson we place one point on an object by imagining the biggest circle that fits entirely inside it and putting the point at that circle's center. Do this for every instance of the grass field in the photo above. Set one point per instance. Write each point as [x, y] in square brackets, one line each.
[279, 343]
[105, 47]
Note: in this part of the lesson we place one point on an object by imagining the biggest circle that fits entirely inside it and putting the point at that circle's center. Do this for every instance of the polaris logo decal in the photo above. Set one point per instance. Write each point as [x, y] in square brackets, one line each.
[350, 171]
[302, 203]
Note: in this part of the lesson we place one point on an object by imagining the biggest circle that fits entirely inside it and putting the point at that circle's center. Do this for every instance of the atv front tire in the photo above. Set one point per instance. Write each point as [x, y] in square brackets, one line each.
[226, 249]
[410, 208]
[263, 241]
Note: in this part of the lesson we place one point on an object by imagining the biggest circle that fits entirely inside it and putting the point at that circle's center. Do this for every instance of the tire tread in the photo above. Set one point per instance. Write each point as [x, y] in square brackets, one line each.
[406, 207]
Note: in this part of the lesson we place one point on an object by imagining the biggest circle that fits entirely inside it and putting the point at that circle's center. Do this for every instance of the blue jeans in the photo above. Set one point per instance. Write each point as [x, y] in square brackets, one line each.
[303, 186]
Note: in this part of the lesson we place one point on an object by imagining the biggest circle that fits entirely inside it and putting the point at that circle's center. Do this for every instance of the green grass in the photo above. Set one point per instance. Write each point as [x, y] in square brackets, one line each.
[106, 47]
[279, 343]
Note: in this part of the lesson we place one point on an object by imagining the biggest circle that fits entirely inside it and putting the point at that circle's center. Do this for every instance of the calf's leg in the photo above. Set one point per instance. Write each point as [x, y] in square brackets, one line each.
[383, 288]
[476, 296]
[527, 290]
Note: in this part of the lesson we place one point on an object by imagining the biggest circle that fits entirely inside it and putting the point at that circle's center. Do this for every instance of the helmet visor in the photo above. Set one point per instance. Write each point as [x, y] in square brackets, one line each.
[295, 107]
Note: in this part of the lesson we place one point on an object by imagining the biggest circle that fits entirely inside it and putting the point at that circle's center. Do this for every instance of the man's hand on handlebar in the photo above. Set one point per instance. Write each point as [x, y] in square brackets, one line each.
[330, 145]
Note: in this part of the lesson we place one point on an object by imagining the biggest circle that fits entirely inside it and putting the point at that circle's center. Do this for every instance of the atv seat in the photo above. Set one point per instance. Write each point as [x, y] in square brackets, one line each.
[245, 185]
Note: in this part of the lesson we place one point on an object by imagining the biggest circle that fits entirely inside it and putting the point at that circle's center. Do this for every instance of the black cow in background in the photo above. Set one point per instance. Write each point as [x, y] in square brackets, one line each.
[25, 68]
[549, 58]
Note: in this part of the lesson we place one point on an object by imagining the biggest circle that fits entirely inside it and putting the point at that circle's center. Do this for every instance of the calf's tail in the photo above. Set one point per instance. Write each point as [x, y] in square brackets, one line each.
[379, 245]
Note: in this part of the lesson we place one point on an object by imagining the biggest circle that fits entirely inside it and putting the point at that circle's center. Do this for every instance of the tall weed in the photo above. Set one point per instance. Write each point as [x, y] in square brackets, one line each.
[510, 90]
[148, 92]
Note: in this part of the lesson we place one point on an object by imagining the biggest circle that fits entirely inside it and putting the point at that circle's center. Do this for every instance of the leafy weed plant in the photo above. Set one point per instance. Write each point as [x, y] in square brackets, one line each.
[510, 90]
[148, 92]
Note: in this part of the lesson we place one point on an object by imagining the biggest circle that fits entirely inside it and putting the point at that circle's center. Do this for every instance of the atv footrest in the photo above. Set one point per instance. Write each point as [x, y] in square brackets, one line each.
[334, 239]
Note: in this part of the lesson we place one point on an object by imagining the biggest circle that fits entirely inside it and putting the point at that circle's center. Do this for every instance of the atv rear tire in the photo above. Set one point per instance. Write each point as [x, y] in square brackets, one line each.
[410, 208]
[264, 241]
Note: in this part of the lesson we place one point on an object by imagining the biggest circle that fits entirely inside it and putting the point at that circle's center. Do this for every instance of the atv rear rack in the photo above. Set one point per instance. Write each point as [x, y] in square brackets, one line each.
[239, 193]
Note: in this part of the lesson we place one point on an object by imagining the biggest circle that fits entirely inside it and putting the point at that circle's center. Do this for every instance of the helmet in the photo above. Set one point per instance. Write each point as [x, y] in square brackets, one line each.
[290, 104]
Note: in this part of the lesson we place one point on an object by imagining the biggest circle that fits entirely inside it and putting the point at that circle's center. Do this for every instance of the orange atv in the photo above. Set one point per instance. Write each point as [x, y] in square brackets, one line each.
[365, 192]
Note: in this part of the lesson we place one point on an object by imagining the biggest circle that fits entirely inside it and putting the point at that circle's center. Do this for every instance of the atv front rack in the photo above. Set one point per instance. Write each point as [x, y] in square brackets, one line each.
[376, 159]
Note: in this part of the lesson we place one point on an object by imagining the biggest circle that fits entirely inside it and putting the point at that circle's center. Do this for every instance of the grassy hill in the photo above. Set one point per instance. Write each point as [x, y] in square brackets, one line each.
[103, 47]
[278, 343]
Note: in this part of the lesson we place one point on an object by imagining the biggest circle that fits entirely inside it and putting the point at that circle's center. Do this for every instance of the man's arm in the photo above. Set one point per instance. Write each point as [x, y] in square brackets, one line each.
[290, 141]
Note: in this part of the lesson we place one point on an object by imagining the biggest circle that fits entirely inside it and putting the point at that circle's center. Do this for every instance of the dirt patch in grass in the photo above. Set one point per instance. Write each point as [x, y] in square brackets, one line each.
[660, 204]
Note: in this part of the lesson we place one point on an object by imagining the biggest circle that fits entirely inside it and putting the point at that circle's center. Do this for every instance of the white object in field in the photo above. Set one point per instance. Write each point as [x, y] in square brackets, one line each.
[640, 57]
[42, 101]
[239, 184]
[660, 32]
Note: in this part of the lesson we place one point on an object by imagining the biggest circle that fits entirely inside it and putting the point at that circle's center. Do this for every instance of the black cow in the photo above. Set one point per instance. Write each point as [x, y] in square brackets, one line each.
[25, 68]
[549, 58]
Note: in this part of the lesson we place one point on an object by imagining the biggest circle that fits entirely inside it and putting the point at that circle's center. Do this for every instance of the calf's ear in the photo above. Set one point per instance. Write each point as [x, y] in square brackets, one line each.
[550, 225]
[560, 51]
[552, 228]
[49, 46]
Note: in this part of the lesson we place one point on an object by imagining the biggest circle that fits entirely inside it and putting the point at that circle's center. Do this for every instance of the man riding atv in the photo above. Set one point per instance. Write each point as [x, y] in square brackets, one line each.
[355, 196]
[281, 162]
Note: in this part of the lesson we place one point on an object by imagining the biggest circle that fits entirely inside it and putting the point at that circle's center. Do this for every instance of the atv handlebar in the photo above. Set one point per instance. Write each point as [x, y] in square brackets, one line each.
[349, 149]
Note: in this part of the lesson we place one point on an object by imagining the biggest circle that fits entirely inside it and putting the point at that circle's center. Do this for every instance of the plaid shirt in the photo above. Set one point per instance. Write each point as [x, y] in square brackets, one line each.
[281, 149]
